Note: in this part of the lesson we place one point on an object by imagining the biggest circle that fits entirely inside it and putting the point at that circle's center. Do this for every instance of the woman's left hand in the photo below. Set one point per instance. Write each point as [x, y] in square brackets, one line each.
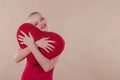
[28, 40]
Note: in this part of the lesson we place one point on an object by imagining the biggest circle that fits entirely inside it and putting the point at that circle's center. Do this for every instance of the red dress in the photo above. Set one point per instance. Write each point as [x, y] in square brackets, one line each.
[33, 71]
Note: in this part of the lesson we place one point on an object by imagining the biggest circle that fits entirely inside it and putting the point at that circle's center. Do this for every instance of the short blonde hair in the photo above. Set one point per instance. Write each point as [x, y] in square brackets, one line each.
[34, 13]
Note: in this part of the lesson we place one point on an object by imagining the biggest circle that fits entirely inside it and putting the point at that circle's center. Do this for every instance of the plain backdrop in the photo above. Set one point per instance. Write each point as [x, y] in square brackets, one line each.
[90, 28]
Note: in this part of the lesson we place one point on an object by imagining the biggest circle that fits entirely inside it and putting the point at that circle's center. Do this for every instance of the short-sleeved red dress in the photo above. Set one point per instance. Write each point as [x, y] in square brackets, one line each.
[33, 70]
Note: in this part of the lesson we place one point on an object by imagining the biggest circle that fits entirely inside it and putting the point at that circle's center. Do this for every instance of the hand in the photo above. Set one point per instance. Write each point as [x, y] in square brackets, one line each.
[45, 44]
[25, 39]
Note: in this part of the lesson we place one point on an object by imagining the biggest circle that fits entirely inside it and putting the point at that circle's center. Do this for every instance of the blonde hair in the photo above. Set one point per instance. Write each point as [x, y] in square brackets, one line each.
[33, 13]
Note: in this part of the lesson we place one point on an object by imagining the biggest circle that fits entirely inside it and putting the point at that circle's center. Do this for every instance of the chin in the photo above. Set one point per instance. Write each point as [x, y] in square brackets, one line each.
[44, 29]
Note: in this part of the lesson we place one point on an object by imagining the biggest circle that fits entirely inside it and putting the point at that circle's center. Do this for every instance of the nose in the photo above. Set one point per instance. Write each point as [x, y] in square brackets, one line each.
[43, 23]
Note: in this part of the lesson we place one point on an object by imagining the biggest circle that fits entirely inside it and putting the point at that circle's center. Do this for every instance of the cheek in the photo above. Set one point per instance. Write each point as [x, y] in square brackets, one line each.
[44, 22]
[39, 25]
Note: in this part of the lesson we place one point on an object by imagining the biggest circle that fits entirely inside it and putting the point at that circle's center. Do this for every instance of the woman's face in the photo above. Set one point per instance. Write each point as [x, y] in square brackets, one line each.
[40, 22]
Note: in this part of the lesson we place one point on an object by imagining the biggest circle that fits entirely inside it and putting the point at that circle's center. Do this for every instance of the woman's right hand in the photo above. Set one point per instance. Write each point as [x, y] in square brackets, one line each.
[45, 44]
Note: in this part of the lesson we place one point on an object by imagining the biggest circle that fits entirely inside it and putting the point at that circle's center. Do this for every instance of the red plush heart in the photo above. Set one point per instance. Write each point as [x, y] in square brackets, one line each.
[37, 34]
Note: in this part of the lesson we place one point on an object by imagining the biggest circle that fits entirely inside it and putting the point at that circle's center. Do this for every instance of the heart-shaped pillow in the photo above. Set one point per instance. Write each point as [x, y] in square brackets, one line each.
[38, 34]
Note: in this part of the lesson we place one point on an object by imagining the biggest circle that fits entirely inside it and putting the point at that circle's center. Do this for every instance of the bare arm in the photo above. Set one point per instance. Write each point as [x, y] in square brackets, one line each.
[41, 59]
[21, 54]
[45, 63]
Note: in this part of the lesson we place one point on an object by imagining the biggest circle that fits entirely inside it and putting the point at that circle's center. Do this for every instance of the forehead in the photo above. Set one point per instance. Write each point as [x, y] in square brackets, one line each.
[36, 17]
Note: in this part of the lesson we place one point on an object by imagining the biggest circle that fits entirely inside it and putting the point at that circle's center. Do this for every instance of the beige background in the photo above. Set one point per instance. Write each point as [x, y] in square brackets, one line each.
[91, 29]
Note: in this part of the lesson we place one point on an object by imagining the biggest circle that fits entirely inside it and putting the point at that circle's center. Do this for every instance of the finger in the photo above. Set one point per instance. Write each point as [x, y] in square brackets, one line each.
[50, 41]
[30, 35]
[19, 36]
[22, 43]
[50, 45]
[49, 48]
[23, 33]
[46, 50]
[20, 39]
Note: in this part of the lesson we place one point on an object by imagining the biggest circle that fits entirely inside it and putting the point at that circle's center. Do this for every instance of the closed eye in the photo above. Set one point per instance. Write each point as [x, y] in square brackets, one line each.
[36, 23]
[42, 18]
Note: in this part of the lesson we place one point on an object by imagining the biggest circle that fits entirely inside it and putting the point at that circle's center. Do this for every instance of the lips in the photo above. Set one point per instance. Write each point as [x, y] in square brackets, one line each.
[44, 26]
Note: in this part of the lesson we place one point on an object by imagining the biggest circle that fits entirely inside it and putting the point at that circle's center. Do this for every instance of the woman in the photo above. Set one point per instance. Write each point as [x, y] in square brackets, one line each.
[44, 70]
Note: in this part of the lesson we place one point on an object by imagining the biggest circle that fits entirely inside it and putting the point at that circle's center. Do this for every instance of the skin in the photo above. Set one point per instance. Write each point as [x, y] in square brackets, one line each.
[32, 46]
